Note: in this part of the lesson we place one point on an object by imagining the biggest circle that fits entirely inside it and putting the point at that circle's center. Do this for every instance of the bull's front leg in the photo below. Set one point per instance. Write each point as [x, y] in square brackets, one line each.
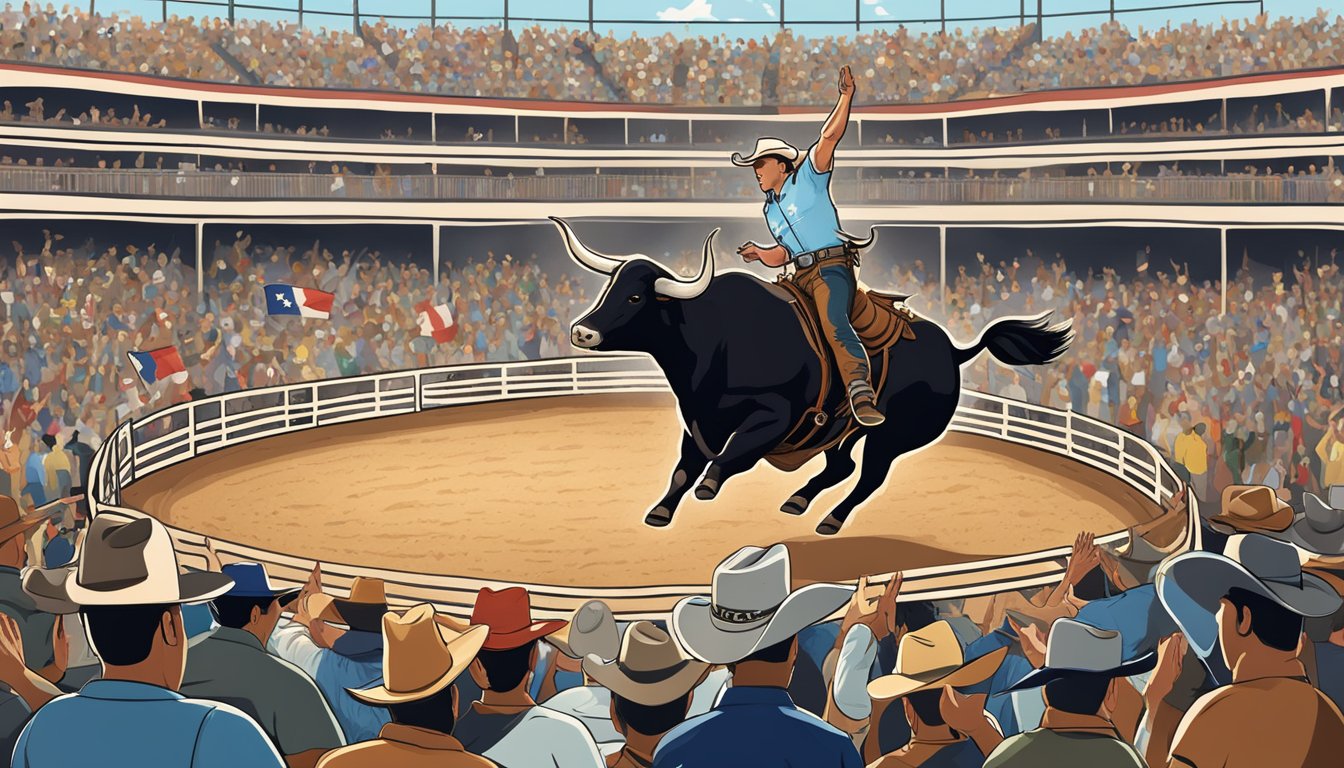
[689, 467]
[760, 432]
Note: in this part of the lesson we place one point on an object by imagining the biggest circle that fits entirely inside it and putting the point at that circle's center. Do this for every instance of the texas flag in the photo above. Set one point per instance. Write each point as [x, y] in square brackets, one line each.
[158, 364]
[436, 321]
[304, 302]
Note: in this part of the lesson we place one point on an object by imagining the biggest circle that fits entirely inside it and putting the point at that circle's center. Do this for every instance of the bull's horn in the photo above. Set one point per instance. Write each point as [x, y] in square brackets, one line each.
[585, 256]
[676, 289]
[857, 241]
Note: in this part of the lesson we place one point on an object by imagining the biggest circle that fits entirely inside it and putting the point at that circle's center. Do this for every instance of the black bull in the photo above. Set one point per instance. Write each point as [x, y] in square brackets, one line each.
[744, 375]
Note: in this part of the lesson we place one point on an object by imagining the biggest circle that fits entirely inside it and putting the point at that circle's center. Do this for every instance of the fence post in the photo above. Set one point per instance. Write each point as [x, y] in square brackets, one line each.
[574, 374]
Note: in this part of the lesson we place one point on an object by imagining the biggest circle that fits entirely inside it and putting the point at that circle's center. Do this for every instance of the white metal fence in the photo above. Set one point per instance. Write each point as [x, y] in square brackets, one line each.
[179, 433]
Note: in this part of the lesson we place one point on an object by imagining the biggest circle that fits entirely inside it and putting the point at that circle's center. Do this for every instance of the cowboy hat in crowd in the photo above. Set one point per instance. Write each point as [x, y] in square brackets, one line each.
[648, 669]
[930, 658]
[508, 614]
[127, 559]
[362, 611]
[751, 607]
[421, 656]
[1320, 526]
[1251, 509]
[591, 630]
[1075, 648]
[1192, 585]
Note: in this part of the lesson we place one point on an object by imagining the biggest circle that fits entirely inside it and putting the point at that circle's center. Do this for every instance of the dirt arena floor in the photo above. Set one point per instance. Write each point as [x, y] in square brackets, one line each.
[554, 491]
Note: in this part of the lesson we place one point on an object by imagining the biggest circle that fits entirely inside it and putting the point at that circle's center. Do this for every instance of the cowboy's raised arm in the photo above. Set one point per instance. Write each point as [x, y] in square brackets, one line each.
[833, 130]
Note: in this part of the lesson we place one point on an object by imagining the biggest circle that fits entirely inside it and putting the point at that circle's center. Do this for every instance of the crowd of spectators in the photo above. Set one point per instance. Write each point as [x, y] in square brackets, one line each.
[533, 62]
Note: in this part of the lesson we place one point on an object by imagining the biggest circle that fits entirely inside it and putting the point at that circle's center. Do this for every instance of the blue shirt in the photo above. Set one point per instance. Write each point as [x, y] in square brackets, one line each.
[34, 470]
[758, 727]
[1136, 614]
[113, 723]
[334, 672]
[803, 217]
[1004, 707]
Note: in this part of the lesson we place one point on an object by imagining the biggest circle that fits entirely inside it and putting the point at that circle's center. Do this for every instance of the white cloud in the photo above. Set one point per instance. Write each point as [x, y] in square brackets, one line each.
[769, 9]
[880, 11]
[695, 10]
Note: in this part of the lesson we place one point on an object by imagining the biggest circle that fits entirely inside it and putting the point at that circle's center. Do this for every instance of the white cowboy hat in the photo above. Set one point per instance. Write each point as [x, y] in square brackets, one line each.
[1191, 585]
[591, 630]
[768, 146]
[931, 658]
[750, 607]
[1075, 648]
[1320, 527]
[421, 656]
[127, 559]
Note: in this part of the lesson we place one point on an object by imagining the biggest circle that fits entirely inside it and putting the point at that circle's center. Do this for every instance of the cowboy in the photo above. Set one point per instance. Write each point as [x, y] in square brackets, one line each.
[928, 661]
[423, 653]
[335, 658]
[1319, 529]
[127, 588]
[651, 686]
[802, 217]
[591, 630]
[230, 664]
[750, 622]
[1081, 677]
[39, 628]
[1250, 601]
[506, 725]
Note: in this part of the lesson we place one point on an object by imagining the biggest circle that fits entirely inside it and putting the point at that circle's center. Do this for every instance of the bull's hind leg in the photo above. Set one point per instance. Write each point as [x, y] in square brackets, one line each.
[884, 446]
[755, 436]
[689, 467]
[839, 465]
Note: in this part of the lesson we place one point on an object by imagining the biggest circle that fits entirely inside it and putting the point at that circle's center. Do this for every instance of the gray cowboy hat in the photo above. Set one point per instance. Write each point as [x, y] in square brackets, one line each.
[591, 630]
[648, 669]
[1320, 527]
[750, 607]
[1191, 585]
[1075, 648]
[127, 559]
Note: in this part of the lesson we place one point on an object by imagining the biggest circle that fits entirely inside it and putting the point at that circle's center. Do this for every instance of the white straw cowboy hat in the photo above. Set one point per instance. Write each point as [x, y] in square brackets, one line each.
[1075, 648]
[768, 146]
[1191, 585]
[127, 559]
[1320, 527]
[750, 607]
[591, 630]
[421, 656]
[931, 658]
[649, 669]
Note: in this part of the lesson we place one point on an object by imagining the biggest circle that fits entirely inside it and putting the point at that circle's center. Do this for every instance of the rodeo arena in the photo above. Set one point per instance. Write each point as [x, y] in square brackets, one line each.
[389, 387]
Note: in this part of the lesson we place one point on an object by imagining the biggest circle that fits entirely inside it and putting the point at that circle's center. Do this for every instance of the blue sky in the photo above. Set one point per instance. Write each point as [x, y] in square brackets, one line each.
[737, 17]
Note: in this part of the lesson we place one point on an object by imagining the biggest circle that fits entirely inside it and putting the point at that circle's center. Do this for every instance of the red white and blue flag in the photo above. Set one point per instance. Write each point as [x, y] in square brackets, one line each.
[159, 364]
[436, 321]
[303, 302]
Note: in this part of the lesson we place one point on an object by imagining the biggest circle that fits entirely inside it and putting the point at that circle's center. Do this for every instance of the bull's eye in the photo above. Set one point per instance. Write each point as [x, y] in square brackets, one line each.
[634, 299]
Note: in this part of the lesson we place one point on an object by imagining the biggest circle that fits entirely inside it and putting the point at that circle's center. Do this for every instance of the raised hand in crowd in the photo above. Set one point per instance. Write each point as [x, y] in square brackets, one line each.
[28, 685]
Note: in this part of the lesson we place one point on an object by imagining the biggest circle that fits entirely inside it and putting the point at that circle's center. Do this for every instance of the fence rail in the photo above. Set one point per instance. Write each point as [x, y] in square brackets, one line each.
[1317, 188]
[179, 433]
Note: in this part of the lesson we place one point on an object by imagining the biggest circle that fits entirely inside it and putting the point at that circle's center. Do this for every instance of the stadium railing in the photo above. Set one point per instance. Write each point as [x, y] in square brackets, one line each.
[1319, 188]
[179, 433]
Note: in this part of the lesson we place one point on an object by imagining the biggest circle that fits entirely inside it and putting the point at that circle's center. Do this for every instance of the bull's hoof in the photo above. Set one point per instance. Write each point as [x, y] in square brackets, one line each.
[658, 517]
[796, 505]
[707, 489]
[830, 526]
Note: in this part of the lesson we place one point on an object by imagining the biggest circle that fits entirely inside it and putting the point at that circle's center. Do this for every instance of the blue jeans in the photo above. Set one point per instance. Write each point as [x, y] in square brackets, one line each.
[834, 297]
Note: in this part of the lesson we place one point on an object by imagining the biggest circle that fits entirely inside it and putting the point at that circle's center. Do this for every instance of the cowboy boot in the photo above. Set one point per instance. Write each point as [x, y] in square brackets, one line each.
[863, 401]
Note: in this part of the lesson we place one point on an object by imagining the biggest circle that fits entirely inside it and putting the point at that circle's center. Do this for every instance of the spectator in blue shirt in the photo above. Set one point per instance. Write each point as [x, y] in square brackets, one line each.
[751, 623]
[128, 590]
[35, 473]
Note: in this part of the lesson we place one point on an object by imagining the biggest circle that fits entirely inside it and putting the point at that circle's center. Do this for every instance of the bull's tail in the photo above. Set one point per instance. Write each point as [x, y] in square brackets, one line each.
[1020, 341]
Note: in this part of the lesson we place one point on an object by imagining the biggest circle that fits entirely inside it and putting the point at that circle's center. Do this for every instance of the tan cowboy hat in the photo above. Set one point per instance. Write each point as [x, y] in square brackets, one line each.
[931, 658]
[765, 147]
[592, 629]
[421, 656]
[14, 523]
[127, 559]
[649, 669]
[1251, 509]
[362, 610]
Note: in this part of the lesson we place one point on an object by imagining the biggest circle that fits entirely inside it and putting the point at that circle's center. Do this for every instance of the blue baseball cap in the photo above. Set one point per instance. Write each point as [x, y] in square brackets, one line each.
[251, 580]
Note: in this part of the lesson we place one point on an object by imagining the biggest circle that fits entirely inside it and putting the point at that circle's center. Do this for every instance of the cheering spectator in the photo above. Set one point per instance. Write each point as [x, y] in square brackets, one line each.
[751, 622]
[425, 654]
[230, 664]
[129, 593]
[591, 630]
[507, 725]
[41, 631]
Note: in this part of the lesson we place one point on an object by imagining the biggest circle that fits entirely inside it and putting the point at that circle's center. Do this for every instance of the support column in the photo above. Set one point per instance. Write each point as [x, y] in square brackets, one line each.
[942, 268]
[200, 260]
[1223, 236]
[437, 228]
